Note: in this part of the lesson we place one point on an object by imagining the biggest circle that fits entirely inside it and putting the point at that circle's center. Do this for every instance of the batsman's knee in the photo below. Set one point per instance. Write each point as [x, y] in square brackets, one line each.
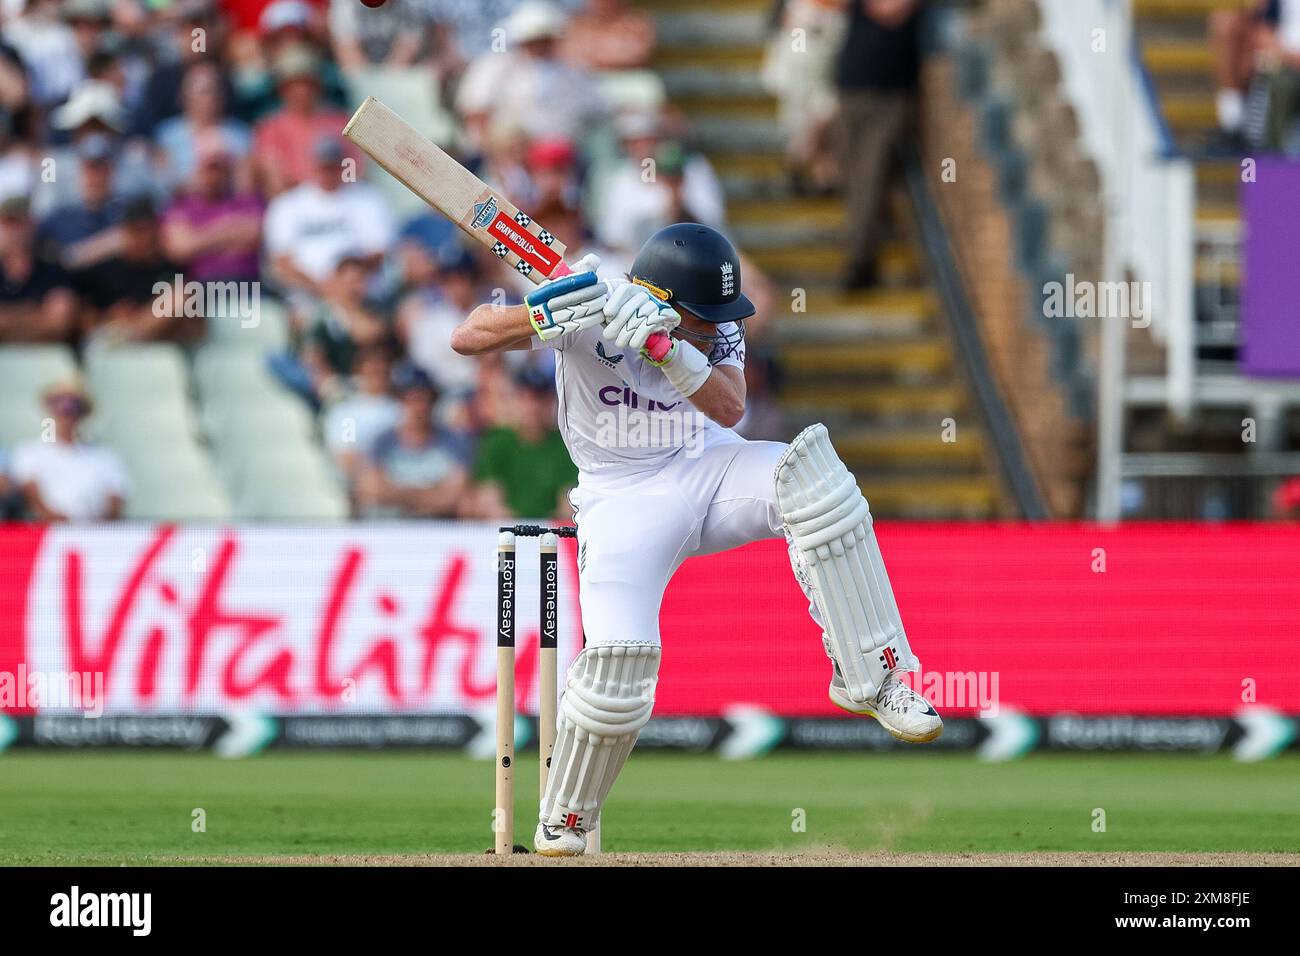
[610, 690]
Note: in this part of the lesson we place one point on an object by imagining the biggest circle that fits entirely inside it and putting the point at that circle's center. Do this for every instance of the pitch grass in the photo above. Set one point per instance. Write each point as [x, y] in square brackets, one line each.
[138, 808]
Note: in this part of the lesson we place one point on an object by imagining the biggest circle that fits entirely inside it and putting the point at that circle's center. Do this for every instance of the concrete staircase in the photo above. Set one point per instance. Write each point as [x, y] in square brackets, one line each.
[876, 366]
[1176, 52]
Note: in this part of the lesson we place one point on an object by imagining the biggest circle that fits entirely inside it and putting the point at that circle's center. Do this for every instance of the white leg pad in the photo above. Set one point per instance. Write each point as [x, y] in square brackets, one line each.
[838, 562]
[608, 697]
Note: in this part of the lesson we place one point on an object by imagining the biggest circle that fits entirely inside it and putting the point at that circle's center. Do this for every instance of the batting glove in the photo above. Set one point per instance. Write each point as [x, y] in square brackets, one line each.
[633, 314]
[576, 301]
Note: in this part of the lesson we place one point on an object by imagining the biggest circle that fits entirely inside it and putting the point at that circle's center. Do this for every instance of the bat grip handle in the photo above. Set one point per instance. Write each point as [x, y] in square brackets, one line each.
[659, 344]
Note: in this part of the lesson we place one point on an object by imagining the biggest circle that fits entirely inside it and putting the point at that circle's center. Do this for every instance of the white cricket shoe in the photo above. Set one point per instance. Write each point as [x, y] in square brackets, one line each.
[899, 709]
[559, 841]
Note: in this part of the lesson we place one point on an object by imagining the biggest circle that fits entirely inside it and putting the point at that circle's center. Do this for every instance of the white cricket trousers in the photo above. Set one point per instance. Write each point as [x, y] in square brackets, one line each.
[635, 531]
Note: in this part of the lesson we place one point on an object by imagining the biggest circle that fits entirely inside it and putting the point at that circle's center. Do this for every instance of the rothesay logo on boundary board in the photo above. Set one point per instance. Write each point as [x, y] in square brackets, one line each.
[75, 909]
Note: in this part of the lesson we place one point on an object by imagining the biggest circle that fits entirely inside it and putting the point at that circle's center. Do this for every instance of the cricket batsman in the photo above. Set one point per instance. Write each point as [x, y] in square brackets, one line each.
[662, 477]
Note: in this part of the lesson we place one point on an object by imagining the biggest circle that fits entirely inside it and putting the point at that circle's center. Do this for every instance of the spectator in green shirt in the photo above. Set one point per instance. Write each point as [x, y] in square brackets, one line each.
[522, 468]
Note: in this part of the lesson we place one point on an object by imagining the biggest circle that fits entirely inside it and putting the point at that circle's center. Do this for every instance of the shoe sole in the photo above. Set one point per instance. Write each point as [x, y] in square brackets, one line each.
[893, 732]
[552, 853]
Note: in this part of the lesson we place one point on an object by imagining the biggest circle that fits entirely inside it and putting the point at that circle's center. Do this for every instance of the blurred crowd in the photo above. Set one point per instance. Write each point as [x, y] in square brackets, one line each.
[144, 139]
[1255, 46]
[846, 74]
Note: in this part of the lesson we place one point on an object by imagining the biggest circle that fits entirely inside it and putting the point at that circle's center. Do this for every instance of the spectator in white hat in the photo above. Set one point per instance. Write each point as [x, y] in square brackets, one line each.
[92, 103]
[66, 479]
[93, 110]
[632, 205]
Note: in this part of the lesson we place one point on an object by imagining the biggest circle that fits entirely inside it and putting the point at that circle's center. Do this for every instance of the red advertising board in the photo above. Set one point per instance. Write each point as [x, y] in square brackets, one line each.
[1144, 619]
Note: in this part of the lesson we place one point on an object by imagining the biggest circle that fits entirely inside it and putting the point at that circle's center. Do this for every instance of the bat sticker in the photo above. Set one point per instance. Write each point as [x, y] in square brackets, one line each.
[519, 241]
[484, 212]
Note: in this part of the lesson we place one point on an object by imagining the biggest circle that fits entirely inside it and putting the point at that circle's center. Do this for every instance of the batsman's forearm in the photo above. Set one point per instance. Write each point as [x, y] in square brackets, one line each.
[715, 391]
[492, 328]
[720, 399]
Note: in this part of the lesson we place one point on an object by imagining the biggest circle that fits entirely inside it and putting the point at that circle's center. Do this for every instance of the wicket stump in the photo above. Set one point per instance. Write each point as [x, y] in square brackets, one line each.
[548, 676]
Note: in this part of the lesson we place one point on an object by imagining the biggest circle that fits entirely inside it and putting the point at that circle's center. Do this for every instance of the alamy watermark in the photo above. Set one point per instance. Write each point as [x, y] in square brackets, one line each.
[1083, 299]
[26, 689]
[211, 300]
[666, 427]
[133, 911]
[959, 690]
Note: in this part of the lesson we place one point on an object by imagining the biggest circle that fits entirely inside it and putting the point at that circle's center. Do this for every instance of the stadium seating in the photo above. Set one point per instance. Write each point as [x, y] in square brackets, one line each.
[212, 438]
[290, 481]
[25, 371]
[263, 437]
[268, 331]
[144, 412]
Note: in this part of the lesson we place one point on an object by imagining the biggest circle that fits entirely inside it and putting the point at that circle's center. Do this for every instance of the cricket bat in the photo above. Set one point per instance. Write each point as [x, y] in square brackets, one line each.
[481, 212]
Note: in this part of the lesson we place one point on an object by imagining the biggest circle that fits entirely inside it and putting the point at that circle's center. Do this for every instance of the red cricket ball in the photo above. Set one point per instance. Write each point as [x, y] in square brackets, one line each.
[373, 3]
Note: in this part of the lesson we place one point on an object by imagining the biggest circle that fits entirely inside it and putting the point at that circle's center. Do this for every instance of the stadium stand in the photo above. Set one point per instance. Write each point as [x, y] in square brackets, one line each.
[220, 417]
[877, 364]
[996, 111]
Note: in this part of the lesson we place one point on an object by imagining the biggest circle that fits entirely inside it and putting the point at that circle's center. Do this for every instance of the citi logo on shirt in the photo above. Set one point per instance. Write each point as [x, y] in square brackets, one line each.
[609, 361]
[623, 395]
